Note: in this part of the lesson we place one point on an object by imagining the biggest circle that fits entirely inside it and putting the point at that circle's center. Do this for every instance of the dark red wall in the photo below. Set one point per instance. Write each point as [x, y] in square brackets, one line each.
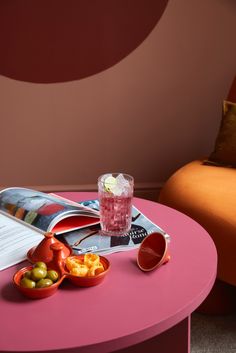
[63, 40]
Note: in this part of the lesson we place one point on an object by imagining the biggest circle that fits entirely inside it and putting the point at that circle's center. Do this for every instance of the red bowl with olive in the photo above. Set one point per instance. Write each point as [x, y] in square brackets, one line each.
[37, 281]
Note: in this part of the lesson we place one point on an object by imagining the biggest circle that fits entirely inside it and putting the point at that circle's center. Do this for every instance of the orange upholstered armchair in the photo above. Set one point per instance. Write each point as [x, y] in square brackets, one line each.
[208, 195]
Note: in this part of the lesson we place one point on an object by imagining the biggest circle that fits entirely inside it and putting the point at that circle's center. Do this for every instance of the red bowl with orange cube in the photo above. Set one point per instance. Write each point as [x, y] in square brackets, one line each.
[86, 270]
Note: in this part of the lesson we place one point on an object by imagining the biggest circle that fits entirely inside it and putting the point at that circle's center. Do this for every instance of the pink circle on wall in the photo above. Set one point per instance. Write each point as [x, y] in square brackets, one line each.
[62, 40]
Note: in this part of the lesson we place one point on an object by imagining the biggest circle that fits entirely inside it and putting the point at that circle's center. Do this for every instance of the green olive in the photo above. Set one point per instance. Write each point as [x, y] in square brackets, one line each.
[52, 275]
[27, 283]
[38, 273]
[27, 274]
[41, 265]
[44, 282]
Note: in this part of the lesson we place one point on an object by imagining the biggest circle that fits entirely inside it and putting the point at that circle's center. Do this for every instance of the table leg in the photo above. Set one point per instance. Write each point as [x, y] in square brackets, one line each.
[176, 339]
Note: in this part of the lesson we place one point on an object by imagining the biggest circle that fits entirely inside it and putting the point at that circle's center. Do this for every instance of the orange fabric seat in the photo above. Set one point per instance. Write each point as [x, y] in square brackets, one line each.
[208, 195]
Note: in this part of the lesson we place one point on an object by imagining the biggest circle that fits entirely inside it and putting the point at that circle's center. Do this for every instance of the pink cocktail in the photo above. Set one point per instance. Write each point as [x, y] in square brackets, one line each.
[115, 197]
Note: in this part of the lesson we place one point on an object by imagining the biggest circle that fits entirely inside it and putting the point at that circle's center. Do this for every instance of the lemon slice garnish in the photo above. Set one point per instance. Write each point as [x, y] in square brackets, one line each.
[110, 183]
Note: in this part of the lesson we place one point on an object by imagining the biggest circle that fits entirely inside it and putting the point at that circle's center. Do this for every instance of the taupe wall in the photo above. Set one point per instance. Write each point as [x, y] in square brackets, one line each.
[149, 114]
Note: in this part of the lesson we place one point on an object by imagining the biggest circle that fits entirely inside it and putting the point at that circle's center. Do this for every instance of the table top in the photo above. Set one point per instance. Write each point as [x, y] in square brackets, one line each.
[128, 307]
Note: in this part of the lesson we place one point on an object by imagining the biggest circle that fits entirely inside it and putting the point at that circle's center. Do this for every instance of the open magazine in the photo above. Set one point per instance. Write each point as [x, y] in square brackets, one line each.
[90, 239]
[25, 215]
[46, 212]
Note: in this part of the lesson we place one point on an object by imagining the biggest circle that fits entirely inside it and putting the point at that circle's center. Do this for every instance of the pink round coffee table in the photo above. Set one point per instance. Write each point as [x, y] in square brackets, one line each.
[130, 311]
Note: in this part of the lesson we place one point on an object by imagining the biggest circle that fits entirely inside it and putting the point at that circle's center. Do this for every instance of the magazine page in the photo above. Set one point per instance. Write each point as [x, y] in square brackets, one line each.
[89, 239]
[16, 238]
[47, 212]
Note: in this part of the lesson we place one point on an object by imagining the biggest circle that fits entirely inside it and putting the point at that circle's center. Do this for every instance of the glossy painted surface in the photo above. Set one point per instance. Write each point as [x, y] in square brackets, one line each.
[130, 305]
[43, 251]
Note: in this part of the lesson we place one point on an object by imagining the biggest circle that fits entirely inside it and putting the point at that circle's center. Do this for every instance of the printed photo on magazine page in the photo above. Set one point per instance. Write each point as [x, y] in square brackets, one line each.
[47, 212]
[90, 239]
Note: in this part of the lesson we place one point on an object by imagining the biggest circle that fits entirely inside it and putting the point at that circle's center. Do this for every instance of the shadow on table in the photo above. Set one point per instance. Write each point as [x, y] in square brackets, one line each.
[11, 294]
